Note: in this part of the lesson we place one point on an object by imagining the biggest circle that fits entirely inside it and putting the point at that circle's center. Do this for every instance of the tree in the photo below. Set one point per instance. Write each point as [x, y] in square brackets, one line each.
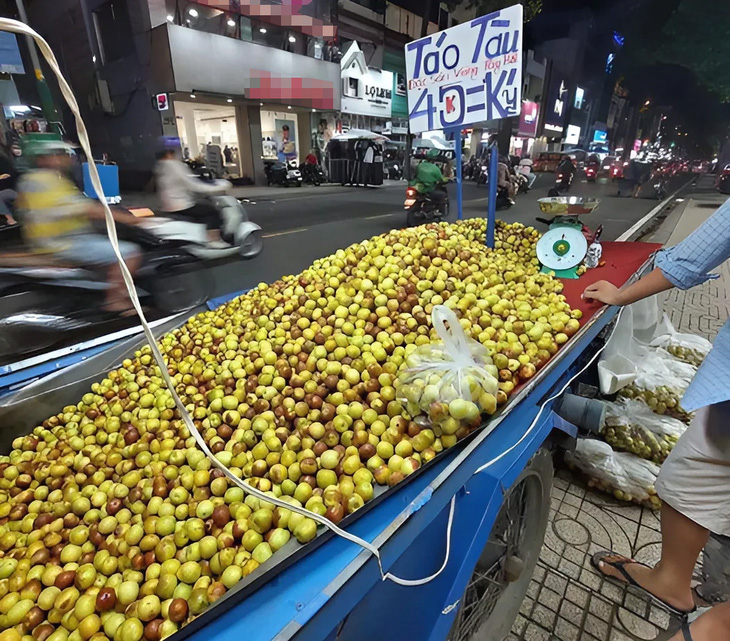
[483, 7]
[691, 34]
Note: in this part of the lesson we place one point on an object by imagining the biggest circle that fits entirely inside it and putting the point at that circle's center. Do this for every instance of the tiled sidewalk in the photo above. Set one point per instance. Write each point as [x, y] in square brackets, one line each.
[568, 600]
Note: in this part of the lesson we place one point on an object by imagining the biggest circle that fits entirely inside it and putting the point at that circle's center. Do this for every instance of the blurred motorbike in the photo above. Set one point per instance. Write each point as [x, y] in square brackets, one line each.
[312, 174]
[424, 207]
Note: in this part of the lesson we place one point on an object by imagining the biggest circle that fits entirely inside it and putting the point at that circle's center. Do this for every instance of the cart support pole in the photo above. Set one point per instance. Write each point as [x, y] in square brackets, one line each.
[457, 150]
[492, 183]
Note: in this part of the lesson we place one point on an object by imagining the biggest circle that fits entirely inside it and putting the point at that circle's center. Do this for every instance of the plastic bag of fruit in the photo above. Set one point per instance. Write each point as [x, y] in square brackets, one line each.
[686, 347]
[448, 384]
[632, 426]
[624, 475]
[661, 382]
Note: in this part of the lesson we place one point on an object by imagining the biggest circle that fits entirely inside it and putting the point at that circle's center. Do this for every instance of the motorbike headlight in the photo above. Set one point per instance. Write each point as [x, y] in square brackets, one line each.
[395, 167]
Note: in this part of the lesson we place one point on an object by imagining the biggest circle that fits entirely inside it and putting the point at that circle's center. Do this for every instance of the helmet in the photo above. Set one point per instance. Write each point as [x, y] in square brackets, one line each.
[432, 153]
[168, 143]
[34, 147]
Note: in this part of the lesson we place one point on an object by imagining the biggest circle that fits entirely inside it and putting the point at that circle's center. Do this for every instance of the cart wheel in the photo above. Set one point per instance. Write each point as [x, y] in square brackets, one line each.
[503, 572]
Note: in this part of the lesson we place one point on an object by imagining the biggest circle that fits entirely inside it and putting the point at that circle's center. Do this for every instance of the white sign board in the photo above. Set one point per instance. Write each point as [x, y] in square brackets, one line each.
[365, 90]
[467, 74]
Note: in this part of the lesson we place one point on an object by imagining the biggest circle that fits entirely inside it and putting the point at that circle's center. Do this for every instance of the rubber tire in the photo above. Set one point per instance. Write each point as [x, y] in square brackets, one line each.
[411, 219]
[498, 625]
[253, 247]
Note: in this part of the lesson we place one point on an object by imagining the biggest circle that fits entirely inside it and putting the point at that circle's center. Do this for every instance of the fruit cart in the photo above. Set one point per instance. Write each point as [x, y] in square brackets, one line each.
[458, 540]
[447, 553]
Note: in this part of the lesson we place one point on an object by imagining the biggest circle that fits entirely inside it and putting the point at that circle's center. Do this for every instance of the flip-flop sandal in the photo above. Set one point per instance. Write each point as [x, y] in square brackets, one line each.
[600, 557]
[685, 631]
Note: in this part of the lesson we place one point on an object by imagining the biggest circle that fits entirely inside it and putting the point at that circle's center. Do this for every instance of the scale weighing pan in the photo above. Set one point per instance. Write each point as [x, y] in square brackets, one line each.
[567, 205]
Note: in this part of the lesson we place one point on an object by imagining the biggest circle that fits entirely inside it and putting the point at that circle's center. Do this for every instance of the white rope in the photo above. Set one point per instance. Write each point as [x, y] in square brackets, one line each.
[14, 26]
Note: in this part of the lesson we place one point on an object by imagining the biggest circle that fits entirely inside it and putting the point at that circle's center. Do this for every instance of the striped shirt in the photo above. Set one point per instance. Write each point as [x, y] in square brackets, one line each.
[51, 210]
[688, 264]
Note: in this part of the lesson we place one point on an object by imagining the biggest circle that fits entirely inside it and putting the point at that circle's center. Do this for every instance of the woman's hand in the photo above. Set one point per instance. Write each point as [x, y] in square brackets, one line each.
[603, 292]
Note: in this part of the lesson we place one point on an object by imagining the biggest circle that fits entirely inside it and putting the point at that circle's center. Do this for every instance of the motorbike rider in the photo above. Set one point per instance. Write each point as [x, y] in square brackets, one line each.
[567, 166]
[504, 179]
[525, 168]
[430, 181]
[56, 220]
[177, 190]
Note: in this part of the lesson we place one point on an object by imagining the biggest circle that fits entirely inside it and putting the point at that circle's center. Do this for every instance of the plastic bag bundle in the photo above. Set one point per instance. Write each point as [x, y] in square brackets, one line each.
[661, 382]
[449, 385]
[686, 347]
[622, 474]
[632, 426]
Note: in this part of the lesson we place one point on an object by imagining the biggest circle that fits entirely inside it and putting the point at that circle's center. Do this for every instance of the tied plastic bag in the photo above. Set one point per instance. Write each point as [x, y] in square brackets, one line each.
[624, 475]
[686, 347]
[632, 426]
[448, 385]
[661, 382]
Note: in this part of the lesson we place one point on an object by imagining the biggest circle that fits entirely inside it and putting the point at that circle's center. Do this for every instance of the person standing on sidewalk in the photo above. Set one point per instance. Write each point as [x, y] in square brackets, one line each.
[694, 481]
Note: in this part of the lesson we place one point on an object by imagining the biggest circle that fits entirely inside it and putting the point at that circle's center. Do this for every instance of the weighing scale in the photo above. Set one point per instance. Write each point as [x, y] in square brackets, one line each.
[563, 247]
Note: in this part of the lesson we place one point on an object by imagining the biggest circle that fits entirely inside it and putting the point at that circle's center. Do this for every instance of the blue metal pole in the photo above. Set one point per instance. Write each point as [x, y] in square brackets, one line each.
[492, 208]
[457, 150]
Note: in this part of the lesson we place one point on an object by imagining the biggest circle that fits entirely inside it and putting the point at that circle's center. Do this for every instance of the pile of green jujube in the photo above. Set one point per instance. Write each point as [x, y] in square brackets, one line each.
[115, 526]
[662, 400]
[686, 354]
[639, 440]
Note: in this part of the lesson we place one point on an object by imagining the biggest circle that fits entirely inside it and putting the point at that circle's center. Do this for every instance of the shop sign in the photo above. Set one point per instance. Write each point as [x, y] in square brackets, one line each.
[556, 105]
[466, 74]
[600, 136]
[10, 58]
[572, 135]
[528, 119]
[162, 102]
[365, 90]
[579, 97]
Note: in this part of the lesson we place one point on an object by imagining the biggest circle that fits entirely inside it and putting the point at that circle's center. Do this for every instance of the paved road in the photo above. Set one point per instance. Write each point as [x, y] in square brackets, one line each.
[301, 225]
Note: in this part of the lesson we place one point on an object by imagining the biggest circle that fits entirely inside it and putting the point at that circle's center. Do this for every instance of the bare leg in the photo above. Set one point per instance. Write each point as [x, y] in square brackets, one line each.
[117, 297]
[671, 578]
[214, 235]
[711, 626]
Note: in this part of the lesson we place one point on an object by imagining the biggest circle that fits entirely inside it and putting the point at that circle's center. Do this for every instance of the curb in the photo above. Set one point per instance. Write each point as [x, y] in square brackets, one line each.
[646, 224]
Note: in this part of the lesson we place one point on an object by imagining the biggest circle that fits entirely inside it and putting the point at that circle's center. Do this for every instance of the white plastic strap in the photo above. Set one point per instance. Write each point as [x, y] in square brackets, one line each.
[452, 334]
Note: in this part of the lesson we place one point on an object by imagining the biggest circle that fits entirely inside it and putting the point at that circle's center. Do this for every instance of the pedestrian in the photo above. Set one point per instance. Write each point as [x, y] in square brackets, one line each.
[228, 154]
[694, 481]
[8, 179]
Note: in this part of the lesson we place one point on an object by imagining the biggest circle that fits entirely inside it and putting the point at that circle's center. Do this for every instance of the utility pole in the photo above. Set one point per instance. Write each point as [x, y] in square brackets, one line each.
[49, 109]
[426, 17]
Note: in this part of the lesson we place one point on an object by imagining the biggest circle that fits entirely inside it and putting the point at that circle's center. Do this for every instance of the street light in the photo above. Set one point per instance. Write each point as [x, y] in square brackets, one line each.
[231, 22]
[262, 30]
[292, 39]
[193, 12]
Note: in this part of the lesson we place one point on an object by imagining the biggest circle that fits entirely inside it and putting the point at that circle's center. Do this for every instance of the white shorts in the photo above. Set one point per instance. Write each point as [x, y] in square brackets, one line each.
[695, 478]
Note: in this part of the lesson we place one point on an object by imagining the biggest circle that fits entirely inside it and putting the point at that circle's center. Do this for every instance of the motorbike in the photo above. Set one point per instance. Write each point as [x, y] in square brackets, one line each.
[283, 173]
[503, 198]
[421, 208]
[723, 182]
[521, 182]
[44, 304]
[481, 174]
[563, 180]
[312, 174]
[591, 173]
[393, 170]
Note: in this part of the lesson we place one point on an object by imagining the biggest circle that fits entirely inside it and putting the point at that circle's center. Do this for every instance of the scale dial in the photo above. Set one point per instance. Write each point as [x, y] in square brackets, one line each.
[562, 248]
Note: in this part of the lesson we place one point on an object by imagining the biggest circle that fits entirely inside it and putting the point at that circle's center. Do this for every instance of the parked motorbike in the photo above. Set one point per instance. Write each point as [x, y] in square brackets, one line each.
[503, 198]
[422, 208]
[521, 182]
[312, 174]
[283, 173]
[45, 304]
[393, 170]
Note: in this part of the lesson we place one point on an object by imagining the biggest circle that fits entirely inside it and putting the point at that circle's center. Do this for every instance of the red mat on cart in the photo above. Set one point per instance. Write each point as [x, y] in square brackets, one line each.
[619, 261]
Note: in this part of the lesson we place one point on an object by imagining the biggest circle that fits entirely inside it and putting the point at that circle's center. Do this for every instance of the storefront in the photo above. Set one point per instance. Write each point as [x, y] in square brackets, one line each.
[397, 128]
[234, 115]
[209, 132]
[556, 110]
